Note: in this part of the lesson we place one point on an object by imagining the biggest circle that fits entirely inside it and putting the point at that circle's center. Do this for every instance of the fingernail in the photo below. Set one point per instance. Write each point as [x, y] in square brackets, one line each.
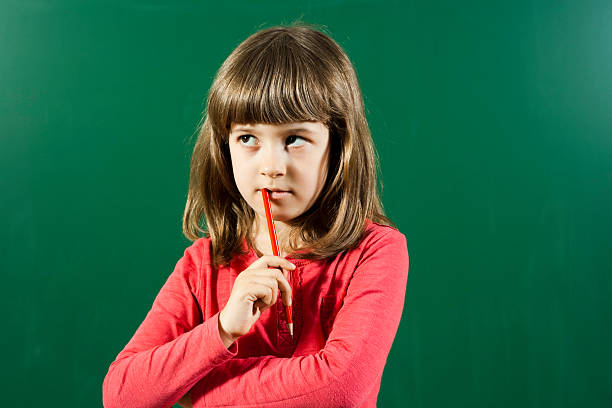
[292, 265]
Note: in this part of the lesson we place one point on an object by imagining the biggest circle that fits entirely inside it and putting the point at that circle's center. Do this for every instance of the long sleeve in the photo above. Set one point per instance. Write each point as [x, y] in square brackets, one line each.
[172, 349]
[345, 371]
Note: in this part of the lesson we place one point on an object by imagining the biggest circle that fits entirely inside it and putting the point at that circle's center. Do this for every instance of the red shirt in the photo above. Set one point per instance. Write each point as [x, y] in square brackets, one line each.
[346, 312]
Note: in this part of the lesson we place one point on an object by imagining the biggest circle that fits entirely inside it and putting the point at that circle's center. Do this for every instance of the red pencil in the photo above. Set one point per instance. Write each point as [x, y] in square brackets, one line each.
[274, 241]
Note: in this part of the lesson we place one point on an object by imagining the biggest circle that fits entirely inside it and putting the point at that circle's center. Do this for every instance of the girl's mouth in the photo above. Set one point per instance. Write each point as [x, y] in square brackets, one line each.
[275, 195]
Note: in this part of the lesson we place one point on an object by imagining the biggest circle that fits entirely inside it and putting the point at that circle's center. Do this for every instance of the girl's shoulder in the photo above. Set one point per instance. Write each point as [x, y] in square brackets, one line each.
[375, 232]
[200, 244]
[380, 237]
[199, 252]
[381, 241]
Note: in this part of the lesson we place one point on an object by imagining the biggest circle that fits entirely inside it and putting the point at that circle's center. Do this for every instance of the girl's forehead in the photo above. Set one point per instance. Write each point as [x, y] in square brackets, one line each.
[308, 126]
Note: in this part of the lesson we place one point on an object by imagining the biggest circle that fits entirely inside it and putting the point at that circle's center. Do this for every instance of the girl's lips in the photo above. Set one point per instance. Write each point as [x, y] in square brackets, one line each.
[274, 191]
[275, 195]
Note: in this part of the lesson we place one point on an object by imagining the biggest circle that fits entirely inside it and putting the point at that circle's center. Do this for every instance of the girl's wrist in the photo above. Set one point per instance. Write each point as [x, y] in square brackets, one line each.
[226, 338]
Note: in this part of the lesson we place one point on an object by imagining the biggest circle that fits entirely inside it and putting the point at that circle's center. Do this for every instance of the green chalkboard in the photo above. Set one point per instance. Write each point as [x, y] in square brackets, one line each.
[493, 126]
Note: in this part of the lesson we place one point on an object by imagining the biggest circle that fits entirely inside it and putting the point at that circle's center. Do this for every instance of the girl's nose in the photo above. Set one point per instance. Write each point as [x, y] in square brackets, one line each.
[273, 162]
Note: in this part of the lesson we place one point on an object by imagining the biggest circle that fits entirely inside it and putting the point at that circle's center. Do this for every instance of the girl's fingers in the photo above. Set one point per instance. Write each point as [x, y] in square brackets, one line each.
[272, 261]
[276, 280]
[261, 293]
[284, 286]
[268, 281]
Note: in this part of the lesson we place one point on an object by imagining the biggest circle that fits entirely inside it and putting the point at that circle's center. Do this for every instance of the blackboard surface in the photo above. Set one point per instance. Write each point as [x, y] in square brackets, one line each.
[493, 125]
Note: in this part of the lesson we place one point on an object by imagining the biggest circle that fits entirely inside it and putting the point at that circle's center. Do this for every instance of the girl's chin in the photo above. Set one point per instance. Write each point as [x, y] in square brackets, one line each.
[280, 214]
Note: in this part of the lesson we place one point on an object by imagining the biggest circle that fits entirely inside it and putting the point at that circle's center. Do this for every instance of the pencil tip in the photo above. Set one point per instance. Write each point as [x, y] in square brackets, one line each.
[291, 329]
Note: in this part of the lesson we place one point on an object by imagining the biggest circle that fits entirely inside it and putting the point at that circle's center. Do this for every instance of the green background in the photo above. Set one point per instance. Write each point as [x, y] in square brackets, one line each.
[492, 120]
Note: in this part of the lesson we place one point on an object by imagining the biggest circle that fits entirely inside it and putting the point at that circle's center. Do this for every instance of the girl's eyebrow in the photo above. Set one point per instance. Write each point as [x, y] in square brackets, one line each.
[291, 129]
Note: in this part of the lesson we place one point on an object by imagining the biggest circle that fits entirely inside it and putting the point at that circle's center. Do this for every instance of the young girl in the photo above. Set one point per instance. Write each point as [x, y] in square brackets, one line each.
[284, 113]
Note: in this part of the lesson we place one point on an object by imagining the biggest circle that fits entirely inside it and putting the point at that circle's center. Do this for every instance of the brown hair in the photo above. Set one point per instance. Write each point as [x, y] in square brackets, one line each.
[279, 75]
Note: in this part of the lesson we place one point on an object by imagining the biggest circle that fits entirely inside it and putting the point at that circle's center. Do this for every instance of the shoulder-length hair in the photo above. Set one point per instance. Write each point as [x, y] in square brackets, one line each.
[280, 75]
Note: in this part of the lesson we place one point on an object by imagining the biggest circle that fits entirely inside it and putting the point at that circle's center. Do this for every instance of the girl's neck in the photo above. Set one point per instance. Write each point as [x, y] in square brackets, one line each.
[263, 246]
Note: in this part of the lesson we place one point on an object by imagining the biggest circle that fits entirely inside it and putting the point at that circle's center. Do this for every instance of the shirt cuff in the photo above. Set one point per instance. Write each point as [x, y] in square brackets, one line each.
[221, 353]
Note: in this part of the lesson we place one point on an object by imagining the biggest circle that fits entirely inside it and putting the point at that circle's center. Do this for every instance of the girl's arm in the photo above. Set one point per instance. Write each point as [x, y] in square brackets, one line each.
[172, 349]
[345, 371]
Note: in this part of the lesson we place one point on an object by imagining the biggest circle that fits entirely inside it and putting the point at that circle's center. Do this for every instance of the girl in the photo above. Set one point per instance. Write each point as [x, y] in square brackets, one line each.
[284, 113]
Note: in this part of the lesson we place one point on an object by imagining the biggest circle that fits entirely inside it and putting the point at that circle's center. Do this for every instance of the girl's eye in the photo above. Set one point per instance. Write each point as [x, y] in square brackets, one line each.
[240, 138]
[296, 137]
[245, 138]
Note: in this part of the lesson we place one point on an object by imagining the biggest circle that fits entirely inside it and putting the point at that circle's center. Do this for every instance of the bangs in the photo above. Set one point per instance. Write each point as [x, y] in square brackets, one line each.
[274, 83]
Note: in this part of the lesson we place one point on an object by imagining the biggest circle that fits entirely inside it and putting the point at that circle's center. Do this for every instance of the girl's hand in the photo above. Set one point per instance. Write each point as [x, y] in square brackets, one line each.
[255, 290]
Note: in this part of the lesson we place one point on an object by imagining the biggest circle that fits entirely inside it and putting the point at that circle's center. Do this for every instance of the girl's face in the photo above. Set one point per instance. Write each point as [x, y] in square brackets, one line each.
[291, 157]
